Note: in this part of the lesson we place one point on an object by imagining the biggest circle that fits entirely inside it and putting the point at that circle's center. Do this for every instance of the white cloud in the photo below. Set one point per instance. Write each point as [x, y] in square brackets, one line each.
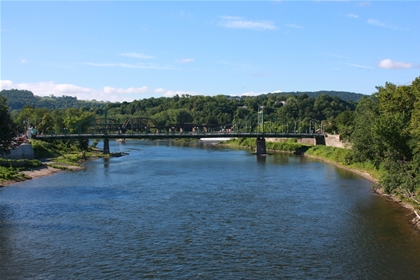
[132, 90]
[362, 4]
[133, 65]
[359, 66]
[389, 64]
[159, 90]
[184, 60]
[384, 24]
[293, 25]
[23, 61]
[6, 84]
[240, 23]
[137, 55]
[352, 16]
[250, 93]
[50, 88]
[335, 55]
[107, 93]
[123, 65]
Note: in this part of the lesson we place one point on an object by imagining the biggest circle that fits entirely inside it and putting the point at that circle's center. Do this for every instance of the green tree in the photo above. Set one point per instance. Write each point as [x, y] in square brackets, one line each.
[8, 128]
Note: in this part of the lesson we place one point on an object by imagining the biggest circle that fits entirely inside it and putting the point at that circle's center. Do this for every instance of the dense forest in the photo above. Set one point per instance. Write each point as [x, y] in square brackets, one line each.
[344, 95]
[295, 110]
[17, 99]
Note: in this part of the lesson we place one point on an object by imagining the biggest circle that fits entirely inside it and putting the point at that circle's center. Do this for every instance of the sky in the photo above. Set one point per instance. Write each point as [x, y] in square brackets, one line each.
[122, 51]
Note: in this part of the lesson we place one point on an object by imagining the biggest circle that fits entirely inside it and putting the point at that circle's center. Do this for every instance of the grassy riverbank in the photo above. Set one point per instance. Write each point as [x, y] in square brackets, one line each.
[51, 157]
[338, 156]
[291, 146]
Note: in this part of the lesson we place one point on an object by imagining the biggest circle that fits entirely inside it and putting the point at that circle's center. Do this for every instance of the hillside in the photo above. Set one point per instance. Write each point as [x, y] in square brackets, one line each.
[344, 95]
[17, 99]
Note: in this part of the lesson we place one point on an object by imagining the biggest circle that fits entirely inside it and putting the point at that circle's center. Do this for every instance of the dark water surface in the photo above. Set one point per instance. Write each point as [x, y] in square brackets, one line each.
[173, 212]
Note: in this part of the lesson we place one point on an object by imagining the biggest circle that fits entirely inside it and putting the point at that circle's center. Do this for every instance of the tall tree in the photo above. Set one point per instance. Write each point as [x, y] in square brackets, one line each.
[8, 128]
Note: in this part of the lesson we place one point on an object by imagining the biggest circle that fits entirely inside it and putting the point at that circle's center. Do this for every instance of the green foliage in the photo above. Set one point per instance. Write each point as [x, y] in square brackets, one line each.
[343, 95]
[71, 159]
[288, 146]
[345, 158]
[11, 173]
[8, 128]
[386, 133]
[338, 155]
[20, 163]
[282, 112]
[44, 149]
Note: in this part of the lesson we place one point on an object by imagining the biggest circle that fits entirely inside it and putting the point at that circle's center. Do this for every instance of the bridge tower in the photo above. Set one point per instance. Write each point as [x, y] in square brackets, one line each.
[106, 140]
[260, 147]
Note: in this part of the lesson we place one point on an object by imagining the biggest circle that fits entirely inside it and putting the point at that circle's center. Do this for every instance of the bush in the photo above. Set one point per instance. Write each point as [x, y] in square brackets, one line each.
[10, 173]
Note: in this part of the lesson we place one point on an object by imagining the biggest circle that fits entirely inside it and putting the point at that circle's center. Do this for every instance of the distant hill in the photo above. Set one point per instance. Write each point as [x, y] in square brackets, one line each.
[344, 95]
[17, 99]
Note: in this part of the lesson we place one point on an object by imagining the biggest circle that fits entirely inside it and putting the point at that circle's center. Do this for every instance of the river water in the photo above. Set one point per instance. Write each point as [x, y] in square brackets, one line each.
[194, 211]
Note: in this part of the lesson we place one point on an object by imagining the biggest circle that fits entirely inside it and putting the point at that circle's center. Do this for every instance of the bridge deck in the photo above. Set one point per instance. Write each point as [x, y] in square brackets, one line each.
[191, 135]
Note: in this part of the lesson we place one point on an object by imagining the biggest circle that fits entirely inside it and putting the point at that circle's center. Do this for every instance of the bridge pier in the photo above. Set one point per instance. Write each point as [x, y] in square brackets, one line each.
[106, 146]
[260, 147]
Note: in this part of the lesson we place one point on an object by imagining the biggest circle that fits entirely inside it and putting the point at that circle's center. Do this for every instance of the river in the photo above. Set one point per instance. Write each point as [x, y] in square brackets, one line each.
[195, 211]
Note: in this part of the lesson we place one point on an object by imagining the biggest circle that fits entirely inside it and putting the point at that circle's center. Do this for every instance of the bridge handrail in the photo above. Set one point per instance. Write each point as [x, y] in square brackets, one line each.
[176, 135]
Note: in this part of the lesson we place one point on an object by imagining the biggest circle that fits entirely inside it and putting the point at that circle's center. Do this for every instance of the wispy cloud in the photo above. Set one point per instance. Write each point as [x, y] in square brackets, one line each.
[363, 4]
[384, 24]
[359, 66]
[240, 23]
[352, 16]
[389, 64]
[293, 25]
[131, 90]
[133, 65]
[184, 60]
[335, 55]
[137, 55]
[23, 61]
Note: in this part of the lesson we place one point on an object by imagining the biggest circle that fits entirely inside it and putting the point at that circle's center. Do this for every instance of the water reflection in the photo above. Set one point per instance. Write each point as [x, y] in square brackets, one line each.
[261, 159]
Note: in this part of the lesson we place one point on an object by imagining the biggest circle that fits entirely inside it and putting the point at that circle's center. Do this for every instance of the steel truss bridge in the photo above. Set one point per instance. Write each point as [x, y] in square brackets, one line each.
[146, 128]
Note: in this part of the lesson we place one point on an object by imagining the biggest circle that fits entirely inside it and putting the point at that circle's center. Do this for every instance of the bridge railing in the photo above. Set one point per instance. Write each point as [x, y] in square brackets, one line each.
[173, 134]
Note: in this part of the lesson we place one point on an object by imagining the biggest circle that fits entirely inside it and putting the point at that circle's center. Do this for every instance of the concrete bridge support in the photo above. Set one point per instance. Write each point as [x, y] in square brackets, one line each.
[260, 149]
[106, 146]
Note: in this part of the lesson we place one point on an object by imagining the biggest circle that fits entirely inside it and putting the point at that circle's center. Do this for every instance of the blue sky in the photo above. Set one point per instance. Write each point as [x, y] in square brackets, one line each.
[121, 51]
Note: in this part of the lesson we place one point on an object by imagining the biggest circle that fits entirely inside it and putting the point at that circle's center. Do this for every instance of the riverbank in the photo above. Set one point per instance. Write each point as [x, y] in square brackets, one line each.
[47, 168]
[50, 166]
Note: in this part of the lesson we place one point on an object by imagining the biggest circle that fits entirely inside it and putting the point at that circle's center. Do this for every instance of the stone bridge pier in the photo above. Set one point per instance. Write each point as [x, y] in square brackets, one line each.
[106, 146]
[260, 147]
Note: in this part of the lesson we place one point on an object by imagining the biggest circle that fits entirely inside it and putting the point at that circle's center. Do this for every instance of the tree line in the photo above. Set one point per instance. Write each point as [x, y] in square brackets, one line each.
[291, 110]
